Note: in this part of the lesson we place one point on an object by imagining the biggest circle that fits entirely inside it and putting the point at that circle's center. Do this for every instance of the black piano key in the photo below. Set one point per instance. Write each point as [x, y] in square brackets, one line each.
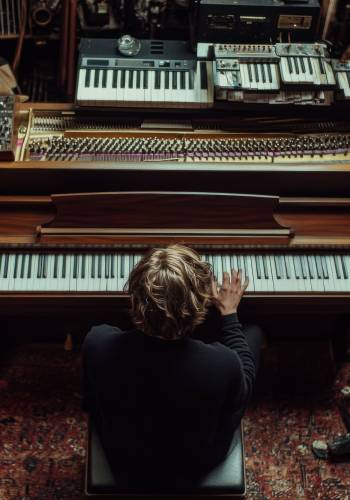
[256, 72]
[182, 80]
[166, 82]
[115, 78]
[287, 267]
[310, 65]
[104, 78]
[83, 266]
[191, 80]
[107, 266]
[122, 266]
[99, 266]
[145, 79]
[321, 65]
[87, 77]
[325, 267]
[93, 257]
[122, 79]
[45, 264]
[157, 80]
[64, 265]
[289, 63]
[30, 260]
[345, 268]
[174, 79]
[277, 260]
[130, 84]
[138, 79]
[304, 269]
[39, 270]
[23, 265]
[6, 265]
[55, 266]
[266, 267]
[204, 76]
[75, 266]
[263, 73]
[112, 266]
[97, 78]
[302, 64]
[250, 73]
[296, 64]
[311, 267]
[15, 269]
[297, 266]
[319, 270]
[269, 72]
[337, 267]
[258, 267]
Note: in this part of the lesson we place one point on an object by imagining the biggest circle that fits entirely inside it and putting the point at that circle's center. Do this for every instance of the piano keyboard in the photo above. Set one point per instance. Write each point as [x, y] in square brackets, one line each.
[134, 86]
[100, 272]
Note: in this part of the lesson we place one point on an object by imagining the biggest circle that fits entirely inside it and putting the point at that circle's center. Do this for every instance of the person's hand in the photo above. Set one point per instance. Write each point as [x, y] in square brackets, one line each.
[228, 296]
[346, 55]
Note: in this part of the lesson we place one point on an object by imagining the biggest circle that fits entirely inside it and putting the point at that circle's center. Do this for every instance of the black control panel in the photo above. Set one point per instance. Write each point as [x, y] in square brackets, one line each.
[254, 21]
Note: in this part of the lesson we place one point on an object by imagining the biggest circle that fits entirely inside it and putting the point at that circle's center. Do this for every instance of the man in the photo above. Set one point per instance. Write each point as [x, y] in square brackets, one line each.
[165, 404]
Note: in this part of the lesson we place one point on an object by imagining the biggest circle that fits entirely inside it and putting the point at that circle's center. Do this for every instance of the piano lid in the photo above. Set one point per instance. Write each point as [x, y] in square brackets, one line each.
[150, 218]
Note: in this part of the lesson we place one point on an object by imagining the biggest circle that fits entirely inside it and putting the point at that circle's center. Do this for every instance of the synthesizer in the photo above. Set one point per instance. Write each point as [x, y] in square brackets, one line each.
[163, 73]
[277, 74]
[6, 127]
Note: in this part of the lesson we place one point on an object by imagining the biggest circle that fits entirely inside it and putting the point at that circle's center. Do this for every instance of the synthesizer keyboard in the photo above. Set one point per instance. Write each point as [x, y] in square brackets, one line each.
[280, 73]
[163, 73]
[101, 272]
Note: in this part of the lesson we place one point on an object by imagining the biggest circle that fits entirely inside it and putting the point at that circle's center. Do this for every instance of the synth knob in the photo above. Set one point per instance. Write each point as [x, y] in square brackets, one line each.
[128, 45]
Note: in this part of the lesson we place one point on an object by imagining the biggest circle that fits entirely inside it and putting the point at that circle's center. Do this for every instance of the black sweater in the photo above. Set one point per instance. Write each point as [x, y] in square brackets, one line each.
[167, 404]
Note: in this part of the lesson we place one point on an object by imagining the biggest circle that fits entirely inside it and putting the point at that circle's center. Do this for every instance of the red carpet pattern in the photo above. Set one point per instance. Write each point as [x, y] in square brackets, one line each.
[43, 432]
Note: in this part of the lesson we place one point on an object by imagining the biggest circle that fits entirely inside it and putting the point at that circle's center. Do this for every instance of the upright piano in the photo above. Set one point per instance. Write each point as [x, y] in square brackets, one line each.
[68, 256]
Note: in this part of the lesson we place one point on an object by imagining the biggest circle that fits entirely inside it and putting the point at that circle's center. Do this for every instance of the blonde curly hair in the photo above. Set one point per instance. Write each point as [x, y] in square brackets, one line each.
[170, 291]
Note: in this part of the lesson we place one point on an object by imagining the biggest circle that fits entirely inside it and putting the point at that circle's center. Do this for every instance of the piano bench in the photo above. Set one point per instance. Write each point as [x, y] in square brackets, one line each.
[226, 480]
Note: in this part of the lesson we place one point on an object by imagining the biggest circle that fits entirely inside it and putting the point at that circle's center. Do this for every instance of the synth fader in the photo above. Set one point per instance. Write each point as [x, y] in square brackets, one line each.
[6, 127]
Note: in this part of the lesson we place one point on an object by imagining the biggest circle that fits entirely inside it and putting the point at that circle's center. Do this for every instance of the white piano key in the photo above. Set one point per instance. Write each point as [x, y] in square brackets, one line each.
[119, 89]
[81, 89]
[316, 71]
[329, 72]
[284, 70]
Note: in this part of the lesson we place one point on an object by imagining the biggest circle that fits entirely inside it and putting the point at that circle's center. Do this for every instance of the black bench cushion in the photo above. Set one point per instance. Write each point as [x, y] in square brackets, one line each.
[226, 477]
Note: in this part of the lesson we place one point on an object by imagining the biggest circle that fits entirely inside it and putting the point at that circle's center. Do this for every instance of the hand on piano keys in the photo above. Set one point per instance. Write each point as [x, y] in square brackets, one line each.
[228, 296]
